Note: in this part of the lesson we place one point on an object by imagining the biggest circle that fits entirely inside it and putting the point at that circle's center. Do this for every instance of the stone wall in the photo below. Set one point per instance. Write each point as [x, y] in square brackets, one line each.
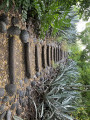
[19, 57]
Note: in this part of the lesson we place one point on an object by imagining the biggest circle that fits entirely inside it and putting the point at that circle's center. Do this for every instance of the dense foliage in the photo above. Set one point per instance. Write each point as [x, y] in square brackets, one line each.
[85, 66]
[58, 18]
[51, 14]
[82, 57]
[57, 98]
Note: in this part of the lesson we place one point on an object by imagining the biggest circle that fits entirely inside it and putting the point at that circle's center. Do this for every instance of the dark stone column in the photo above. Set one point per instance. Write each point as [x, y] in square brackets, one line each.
[43, 56]
[36, 59]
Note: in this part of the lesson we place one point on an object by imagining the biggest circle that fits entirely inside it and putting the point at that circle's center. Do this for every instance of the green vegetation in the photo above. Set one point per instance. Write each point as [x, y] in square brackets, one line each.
[17, 118]
[60, 95]
[52, 15]
[82, 57]
[71, 89]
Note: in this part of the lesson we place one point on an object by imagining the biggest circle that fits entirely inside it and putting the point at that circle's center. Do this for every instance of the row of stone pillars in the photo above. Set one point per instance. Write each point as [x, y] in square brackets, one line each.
[49, 55]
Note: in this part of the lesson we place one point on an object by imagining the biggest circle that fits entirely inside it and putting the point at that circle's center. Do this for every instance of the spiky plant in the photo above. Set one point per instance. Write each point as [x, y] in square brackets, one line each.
[17, 118]
[55, 99]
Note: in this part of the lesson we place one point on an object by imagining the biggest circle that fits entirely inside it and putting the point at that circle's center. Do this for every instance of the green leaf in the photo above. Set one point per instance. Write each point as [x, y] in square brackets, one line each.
[17, 118]
[42, 110]
[67, 100]
[58, 96]
[67, 116]
[7, 3]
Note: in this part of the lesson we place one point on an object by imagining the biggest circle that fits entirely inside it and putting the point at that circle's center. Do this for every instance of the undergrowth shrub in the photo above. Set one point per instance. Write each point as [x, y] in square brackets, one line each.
[56, 99]
[53, 15]
[50, 14]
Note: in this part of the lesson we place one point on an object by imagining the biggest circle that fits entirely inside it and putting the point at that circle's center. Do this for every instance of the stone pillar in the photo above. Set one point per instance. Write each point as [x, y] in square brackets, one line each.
[48, 55]
[56, 54]
[60, 53]
[51, 49]
[43, 57]
[36, 59]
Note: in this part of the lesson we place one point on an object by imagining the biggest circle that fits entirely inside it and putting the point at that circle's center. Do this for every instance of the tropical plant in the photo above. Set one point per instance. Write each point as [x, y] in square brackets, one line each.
[17, 118]
[85, 66]
[82, 57]
[57, 98]
[51, 14]
[70, 34]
